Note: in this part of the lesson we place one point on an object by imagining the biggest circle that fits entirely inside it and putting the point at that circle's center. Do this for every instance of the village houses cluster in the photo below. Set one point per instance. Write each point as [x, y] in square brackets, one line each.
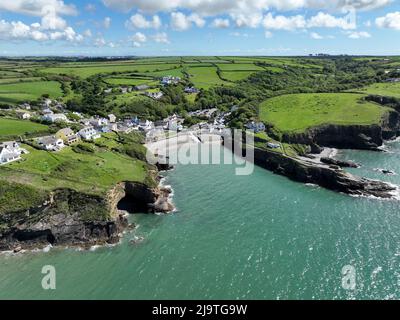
[90, 129]
[93, 128]
[148, 91]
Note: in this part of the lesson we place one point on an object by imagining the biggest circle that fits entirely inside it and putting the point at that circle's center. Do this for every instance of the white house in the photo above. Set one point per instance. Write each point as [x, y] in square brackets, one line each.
[23, 115]
[56, 117]
[112, 118]
[89, 133]
[99, 122]
[170, 80]
[25, 106]
[47, 103]
[155, 95]
[146, 125]
[51, 143]
[10, 151]
[124, 129]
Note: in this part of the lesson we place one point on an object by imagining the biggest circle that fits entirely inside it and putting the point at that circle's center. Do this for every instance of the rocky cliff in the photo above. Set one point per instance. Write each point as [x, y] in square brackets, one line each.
[70, 218]
[337, 136]
[362, 137]
[391, 123]
[329, 177]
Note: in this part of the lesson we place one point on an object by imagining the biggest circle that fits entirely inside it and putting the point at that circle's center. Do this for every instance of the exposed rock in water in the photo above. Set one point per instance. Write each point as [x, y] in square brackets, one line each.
[386, 171]
[329, 178]
[339, 163]
[309, 172]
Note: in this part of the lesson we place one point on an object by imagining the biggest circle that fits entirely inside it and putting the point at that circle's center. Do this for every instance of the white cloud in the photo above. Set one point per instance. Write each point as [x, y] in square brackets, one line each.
[138, 21]
[88, 33]
[247, 20]
[139, 37]
[51, 21]
[321, 20]
[161, 37]
[268, 34]
[17, 30]
[216, 7]
[220, 23]
[197, 20]
[238, 34]
[284, 23]
[324, 20]
[68, 34]
[316, 36]
[51, 27]
[107, 22]
[358, 34]
[100, 42]
[390, 21]
[181, 22]
[38, 8]
[39, 36]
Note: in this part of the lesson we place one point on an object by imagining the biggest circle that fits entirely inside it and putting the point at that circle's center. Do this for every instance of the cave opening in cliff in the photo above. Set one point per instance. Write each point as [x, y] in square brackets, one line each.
[132, 205]
[39, 236]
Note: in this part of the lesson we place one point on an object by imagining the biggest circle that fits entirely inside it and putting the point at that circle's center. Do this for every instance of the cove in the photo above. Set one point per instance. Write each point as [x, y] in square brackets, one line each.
[235, 237]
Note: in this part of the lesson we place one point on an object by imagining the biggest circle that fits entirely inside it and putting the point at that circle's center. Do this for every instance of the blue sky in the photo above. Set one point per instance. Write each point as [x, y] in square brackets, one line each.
[199, 27]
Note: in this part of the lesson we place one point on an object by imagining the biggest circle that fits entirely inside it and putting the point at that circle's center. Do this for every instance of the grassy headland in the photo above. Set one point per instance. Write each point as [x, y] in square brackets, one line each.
[299, 112]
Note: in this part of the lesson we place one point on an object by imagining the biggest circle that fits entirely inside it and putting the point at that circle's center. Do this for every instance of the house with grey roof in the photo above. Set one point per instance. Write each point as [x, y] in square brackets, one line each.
[56, 117]
[51, 143]
[10, 151]
[89, 133]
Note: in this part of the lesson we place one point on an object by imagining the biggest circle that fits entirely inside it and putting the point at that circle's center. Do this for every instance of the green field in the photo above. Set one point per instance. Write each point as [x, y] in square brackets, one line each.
[173, 73]
[299, 112]
[239, 67]
[17, 80]
[85, 72]
[28, 91]
[90, 173]
[130, 81]
[205, 77]
[383, 89]
[11, 128]
[236, 75]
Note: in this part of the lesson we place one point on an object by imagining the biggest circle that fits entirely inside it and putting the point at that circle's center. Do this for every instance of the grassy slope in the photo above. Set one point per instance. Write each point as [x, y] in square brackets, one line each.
[236, 75]
[28, 91]
[298, 112]
[89, 173]
[10, 128]
[239, 67]
[130, 81]
[205, 77]
[383, 89]
[88, 71]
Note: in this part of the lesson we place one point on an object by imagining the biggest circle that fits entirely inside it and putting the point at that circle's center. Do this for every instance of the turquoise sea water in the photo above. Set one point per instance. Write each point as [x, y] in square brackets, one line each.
[251, 237]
